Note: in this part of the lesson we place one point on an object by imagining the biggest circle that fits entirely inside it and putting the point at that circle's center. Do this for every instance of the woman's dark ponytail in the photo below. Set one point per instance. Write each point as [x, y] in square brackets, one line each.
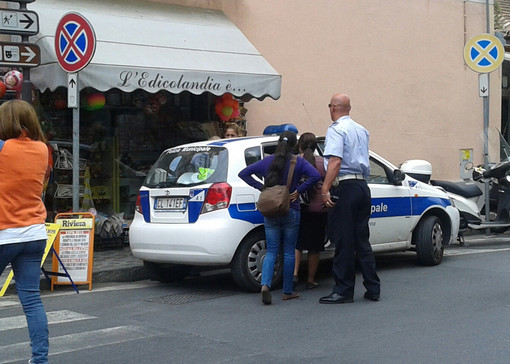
[286, 145]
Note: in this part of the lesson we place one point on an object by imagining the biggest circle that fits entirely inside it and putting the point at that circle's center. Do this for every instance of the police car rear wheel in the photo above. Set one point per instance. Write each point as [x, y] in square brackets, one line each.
[248, 260]
[429, 241]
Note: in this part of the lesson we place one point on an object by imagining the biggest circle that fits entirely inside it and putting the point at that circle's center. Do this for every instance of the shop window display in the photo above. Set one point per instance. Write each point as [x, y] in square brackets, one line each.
[121, 136]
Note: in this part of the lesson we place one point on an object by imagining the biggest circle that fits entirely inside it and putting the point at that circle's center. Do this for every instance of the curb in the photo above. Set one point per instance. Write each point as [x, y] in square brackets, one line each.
[130, 274]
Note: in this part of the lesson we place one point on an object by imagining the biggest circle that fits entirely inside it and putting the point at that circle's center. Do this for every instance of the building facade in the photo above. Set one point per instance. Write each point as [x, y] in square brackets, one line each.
[400, 61]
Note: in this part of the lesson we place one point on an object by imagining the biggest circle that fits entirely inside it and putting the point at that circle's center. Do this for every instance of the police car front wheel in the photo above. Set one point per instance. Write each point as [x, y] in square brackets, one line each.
[430, 241]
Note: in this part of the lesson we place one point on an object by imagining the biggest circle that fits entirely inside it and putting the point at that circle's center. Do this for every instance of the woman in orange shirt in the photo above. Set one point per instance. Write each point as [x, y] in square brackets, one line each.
[23, 165]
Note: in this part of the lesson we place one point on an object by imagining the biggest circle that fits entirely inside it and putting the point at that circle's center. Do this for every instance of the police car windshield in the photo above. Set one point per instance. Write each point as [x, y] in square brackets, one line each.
[188, 166]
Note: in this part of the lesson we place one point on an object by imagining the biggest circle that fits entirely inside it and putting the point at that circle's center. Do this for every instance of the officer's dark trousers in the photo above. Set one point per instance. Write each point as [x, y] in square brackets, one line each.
[349, 231]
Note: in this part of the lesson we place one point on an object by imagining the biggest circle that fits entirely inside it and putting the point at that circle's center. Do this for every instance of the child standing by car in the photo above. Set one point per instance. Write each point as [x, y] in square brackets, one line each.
[312, 226]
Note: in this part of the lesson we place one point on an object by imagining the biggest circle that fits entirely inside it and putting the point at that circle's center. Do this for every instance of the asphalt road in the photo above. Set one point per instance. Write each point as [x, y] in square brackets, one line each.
[457, 312]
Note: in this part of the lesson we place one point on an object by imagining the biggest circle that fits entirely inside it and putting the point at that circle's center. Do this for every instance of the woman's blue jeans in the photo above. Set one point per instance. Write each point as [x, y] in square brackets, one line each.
[25, 259]
[281, 230]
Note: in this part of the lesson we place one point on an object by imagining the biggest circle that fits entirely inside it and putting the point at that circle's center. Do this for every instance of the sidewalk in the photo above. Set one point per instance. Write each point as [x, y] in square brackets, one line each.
[111, 265]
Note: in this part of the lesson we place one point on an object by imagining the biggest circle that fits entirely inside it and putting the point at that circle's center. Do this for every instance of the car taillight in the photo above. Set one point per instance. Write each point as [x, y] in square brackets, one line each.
[217, 197]
[138, 206]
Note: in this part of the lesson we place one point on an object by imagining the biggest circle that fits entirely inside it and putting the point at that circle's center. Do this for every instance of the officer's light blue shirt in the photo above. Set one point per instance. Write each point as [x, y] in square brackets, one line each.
[348, 140]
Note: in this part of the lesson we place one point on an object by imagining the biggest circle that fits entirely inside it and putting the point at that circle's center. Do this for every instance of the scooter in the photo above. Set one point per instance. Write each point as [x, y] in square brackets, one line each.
[468, 196]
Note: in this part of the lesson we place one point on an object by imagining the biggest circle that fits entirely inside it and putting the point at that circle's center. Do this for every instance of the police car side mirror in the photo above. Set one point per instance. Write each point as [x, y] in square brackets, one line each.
[398, 176]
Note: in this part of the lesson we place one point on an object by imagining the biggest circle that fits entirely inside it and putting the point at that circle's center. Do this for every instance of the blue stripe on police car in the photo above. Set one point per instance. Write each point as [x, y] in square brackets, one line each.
[404, 206]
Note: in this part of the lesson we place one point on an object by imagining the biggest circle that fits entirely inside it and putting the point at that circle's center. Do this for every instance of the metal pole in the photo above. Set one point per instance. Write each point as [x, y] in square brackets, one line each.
[26, 85]
[76, 154]
[486, 153]
[486, 128]
[487, 16]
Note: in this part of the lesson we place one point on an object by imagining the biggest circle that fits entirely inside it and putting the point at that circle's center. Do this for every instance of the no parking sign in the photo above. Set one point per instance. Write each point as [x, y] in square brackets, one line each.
[484, 53]
[75, 42]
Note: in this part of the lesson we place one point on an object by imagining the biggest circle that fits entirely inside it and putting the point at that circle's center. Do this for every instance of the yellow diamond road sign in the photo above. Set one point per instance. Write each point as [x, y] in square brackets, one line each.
[484, 53]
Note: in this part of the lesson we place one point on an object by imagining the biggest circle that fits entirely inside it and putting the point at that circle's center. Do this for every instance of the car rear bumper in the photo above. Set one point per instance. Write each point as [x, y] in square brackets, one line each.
[205, 242]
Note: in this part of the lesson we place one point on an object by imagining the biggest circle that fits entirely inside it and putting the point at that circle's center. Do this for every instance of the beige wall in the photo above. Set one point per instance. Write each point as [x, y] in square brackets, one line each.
[400, 61]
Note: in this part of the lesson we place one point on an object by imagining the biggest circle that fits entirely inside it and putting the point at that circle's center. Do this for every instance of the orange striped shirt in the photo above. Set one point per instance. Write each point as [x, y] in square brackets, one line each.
[23, 164]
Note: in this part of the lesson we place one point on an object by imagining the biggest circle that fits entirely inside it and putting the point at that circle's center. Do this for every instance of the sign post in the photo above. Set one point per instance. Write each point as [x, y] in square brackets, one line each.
[75, 45]
[72, 90]
[19, 22]
[24, 23]
[484, 53]
[19, 54]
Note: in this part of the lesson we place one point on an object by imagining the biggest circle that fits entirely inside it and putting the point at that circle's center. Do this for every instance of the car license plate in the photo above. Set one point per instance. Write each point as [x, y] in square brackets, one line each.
[170, 203]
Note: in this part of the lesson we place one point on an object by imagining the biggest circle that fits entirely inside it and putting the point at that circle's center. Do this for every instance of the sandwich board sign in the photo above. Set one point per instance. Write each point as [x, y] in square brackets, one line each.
[75, 247]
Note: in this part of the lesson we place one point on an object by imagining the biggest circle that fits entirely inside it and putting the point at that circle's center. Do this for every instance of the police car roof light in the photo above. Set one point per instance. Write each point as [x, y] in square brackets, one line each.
[278, 129]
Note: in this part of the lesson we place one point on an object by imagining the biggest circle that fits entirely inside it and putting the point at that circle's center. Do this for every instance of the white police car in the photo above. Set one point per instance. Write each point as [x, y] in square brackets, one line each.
[193, 210]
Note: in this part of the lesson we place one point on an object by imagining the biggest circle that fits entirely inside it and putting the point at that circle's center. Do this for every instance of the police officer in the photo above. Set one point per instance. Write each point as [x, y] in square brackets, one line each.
[346, 192]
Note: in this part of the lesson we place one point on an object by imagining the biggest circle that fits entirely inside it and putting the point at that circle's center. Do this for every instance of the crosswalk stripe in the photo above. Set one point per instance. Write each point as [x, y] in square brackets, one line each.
[8, 303]
[54, 317]
[78, 341]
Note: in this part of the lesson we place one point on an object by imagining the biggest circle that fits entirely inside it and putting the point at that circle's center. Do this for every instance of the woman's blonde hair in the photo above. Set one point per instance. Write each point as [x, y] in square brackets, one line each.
[17, 116]
[234, 127]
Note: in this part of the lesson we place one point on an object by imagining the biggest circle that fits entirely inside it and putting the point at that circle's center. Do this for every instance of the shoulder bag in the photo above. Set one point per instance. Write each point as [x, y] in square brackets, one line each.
[275, 200]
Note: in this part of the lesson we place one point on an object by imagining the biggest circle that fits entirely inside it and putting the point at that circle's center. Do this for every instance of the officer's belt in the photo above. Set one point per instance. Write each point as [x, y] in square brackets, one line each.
[344, 177]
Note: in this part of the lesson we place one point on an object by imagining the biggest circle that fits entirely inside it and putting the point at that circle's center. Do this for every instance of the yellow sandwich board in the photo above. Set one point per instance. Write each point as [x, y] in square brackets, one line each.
[74, 249]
